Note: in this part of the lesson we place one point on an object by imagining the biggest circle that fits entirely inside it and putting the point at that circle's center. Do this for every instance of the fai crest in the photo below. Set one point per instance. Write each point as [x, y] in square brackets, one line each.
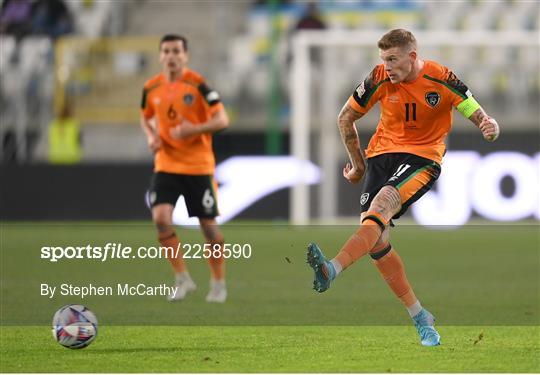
[433, 98]
[364, 198]
[188, 99]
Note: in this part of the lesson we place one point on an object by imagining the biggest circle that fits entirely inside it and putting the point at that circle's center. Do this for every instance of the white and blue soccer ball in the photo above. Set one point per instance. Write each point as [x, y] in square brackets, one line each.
[74, 326]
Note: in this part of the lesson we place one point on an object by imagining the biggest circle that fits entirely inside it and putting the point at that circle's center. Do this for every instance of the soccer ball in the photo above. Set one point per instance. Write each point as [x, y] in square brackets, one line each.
[74, 326]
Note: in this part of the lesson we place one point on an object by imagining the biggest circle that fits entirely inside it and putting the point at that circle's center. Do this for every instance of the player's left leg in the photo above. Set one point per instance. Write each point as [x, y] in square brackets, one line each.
[216, 261]
[410, 188]
[201, 201]
[392, 270]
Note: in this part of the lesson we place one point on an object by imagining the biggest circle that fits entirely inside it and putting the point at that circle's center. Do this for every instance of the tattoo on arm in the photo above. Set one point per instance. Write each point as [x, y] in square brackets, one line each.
[478, 116]
[349, 136]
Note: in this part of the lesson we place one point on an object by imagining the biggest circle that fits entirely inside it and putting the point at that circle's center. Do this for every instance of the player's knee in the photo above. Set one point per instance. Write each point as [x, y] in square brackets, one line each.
[382, 242]
[377, 206]
[161, 220]
[385, 237]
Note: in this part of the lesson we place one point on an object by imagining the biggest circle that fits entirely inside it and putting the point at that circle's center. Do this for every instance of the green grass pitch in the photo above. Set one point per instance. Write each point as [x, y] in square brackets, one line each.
[481, 282]
[275, 349]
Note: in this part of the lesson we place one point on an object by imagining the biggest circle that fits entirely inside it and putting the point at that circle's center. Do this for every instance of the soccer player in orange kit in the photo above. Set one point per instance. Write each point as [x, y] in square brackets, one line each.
[404, 155]
[179, 114]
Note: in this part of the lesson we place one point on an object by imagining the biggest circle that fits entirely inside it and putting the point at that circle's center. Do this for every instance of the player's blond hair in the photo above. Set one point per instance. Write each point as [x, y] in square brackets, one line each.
[398, 38]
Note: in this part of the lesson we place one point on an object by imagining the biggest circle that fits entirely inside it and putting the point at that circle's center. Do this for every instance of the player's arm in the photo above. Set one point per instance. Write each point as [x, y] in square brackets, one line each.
[467, 105]
[360, 102]
[146, 120]
[218, 121]
[487, 125]
[152, 138]
[185, 129]
[353, 171]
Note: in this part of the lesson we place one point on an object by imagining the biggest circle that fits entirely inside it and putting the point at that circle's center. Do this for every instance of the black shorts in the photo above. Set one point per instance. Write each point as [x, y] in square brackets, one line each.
[410, 174]
[199, 192]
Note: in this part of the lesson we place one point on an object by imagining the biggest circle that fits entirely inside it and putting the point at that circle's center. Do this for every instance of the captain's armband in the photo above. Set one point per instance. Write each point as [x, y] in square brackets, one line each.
[468, 106]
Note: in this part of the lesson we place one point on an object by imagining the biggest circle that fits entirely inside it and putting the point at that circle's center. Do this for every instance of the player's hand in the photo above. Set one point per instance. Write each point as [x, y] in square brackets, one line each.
[154, 143]
[353, 175]
[489, 129]
[185, 130]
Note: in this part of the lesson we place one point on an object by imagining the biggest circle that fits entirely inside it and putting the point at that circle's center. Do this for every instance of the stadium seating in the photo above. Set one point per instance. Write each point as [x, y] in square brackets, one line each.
[492, 72]
[234, 54]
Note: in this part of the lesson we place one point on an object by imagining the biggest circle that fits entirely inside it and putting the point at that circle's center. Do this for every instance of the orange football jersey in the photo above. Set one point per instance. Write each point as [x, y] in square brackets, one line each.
[169, 103]
[415, 116]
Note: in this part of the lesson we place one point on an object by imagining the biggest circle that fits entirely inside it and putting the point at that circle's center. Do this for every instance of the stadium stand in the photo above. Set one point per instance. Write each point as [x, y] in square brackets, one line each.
[231, 46]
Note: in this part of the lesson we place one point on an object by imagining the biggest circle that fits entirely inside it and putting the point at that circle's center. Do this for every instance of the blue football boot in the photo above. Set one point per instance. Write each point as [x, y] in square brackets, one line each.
[323, 268]
[424, 321]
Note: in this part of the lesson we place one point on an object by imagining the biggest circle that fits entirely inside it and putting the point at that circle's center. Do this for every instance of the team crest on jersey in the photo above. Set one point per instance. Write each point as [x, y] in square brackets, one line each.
[364, 198]
[433, 98]
[188, 99]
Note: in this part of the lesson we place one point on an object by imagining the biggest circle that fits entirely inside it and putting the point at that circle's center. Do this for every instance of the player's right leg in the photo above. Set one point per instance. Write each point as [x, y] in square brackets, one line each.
[383, 204]
[373, 224]
[163, 194]
[183, 284]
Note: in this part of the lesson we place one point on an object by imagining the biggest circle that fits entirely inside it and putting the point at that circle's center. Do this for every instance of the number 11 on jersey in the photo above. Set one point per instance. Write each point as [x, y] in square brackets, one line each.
[408, 107]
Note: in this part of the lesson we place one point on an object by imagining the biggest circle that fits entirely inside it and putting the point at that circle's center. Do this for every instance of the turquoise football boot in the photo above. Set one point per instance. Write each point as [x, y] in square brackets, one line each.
[424, 321]
[323, 268]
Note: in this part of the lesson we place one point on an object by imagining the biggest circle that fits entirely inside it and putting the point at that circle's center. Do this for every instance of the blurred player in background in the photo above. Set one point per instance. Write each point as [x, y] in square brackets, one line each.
[65, 137]
[403, 159]
[179, 114]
